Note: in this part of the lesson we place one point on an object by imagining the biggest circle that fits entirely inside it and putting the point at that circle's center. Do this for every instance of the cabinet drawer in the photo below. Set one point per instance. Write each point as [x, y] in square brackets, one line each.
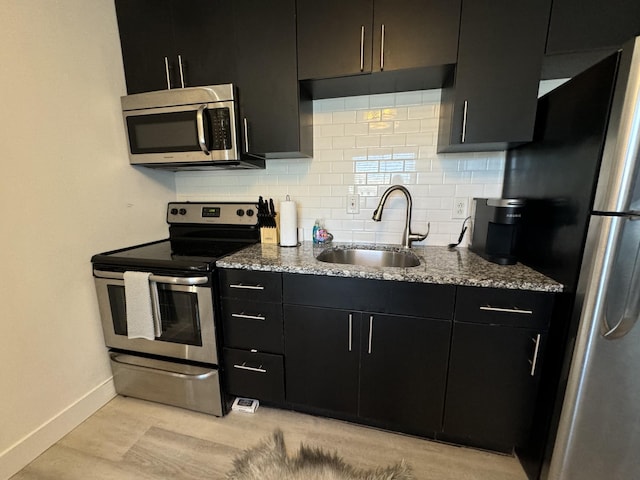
[251, 285]
[254, 375]
[400, 298]
[514, 308]
[252, 325]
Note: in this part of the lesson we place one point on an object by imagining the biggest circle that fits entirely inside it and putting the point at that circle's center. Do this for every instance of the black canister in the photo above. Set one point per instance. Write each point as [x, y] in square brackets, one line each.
[495, 228]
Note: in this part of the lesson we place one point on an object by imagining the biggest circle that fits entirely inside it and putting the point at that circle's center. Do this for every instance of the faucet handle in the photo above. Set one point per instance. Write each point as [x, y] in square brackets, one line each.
[417, 237]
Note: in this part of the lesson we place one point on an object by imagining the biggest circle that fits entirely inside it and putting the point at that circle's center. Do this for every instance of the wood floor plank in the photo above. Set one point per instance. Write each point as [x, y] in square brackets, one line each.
[134, 439]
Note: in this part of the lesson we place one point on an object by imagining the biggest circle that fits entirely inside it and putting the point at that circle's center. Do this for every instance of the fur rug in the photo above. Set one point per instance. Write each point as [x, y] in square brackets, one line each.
[269, 461]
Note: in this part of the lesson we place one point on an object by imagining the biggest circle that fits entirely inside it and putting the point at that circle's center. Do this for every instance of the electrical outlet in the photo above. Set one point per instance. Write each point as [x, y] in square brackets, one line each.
[460, 207]
[353, 203]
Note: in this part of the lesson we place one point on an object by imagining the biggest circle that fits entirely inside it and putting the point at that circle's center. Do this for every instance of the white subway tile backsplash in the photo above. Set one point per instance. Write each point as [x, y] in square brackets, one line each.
[363, 145]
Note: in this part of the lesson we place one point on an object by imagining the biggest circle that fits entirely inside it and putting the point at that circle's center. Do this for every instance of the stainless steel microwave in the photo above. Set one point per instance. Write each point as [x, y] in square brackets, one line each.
[194, 128]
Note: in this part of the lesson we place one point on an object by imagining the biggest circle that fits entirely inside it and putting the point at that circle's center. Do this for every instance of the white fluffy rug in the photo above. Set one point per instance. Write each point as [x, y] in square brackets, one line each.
[269, 461]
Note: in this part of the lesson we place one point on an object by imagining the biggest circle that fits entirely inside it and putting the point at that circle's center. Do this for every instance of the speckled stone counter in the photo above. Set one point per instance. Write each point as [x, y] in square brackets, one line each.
[437, 265]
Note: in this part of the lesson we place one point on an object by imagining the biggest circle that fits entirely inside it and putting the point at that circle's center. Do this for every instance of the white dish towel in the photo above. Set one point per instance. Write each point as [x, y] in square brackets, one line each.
[141, 322]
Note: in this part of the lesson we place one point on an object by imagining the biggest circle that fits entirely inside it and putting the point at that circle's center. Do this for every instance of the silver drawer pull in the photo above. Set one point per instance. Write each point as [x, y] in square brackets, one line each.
[251, 369]
[489, 308]
[534, 362]
[246, 287]
[248, 317]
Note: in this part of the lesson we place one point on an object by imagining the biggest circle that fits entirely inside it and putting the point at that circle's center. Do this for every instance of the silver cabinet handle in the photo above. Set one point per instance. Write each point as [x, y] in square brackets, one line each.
[370, 332]
[246, 287]
[200, 125]
[350, 331]
[251, 369]
[382, 47]
[181, 70]
[465, 108]
[506, 310]
[246, 135]
[166, 69]
[155, 278]
[534, 362]
[248, 317]
[362, 48]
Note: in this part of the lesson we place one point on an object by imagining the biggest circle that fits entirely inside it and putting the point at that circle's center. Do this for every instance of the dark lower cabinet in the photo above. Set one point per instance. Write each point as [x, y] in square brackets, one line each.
[493, 384]
[403, 371]
[385, 369]
[497, 351]
[322, 358]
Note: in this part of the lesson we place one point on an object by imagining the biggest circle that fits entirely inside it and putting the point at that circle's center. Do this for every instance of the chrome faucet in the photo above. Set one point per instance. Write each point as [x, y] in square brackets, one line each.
[407, 236]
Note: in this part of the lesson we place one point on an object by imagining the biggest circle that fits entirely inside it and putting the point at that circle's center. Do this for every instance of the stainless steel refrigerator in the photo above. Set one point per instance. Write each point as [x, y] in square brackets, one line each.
[581, 174]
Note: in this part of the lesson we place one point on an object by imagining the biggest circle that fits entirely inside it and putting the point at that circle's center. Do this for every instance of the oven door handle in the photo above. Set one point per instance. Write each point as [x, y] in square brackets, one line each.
[200, 126]
[155, 278]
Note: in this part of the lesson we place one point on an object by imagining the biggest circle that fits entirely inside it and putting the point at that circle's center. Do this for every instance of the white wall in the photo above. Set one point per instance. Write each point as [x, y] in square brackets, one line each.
[363, 145]
[66, 192]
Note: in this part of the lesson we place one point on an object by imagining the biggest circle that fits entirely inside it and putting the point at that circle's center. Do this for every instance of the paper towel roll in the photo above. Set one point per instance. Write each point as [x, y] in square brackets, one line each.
[288, 224]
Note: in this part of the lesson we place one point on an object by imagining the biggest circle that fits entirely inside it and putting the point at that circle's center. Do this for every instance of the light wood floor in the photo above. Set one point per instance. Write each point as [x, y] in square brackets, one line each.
[134, 439]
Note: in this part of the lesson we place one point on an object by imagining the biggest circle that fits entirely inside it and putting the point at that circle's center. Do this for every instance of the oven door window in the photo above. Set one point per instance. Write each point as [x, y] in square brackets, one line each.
[178, 312]
[178, 131]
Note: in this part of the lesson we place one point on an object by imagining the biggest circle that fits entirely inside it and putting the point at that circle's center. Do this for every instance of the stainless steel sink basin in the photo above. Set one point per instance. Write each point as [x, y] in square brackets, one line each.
[369, 257]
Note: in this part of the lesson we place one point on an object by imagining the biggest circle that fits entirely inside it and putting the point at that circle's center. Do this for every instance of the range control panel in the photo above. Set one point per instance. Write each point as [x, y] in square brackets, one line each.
[220, 213]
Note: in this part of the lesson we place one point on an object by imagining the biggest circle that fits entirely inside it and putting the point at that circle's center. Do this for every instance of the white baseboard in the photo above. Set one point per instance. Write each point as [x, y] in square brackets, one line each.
[24, 451]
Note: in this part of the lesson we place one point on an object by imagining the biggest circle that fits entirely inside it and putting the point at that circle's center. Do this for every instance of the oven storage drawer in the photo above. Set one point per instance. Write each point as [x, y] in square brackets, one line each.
[252, 325]
[512, 308]
[251, 285]
[254, 375]
[187, 386]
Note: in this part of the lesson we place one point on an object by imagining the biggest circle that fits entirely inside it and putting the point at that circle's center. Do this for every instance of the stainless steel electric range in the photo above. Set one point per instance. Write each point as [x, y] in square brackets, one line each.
[178, 364]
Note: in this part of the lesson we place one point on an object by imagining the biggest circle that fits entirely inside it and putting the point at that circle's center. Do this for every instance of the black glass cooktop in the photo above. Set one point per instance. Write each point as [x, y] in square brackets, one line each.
[162, 254]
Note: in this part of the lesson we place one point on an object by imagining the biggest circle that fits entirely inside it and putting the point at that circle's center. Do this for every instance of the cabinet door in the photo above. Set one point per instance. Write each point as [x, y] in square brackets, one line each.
[403, 371]
[334, 38]
[204, 41]
[493, 381]
[267, 77]
[493, 101]
[580, 25]
[321, 358]
[146, 38]
[417, 33]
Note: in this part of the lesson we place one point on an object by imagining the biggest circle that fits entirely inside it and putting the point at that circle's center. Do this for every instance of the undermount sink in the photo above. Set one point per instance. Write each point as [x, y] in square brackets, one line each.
[369, 257]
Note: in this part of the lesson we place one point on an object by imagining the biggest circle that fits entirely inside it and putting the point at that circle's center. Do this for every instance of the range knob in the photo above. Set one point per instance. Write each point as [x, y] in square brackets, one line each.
[249, 213]
[174, 211]
[182, 211]
[240, 212]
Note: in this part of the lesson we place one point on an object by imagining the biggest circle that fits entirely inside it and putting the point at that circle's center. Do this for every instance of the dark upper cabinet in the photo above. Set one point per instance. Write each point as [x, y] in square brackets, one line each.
[334, 38]
[375, 46]
[583, 32]
[491, 101]
[168, 43]
[578, 25]
[276, 116]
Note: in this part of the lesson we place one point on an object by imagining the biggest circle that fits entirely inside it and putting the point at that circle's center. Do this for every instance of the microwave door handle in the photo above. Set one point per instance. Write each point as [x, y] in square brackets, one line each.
[200, 125]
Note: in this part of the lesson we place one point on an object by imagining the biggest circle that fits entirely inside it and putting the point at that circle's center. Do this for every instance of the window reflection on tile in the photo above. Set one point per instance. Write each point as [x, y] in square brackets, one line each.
[392, 166]
[378, 178]
[366, 166]
[360, 179]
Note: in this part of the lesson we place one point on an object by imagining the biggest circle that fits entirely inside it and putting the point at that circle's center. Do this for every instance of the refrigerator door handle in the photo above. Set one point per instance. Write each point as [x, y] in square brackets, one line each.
[631, 311]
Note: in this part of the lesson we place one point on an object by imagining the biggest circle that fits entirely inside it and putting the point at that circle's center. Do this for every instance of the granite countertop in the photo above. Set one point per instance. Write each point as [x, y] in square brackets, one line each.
[437, 265]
